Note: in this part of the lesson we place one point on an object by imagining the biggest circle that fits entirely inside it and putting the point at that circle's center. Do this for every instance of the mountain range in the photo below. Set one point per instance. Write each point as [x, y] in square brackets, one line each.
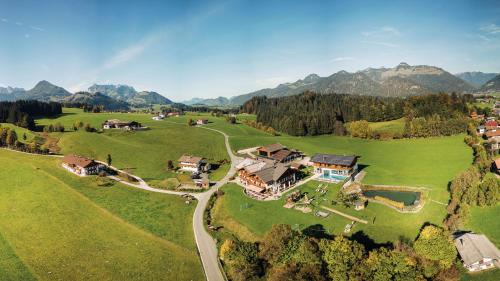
[113, 97]
[130, 95]
[492, 85]
[402, 80]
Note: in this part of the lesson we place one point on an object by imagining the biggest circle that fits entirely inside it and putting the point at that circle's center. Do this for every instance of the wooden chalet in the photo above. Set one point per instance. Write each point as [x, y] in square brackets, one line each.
[334, 167]
[81, 166]
[278, 153]
[201, 121]
[261, 176]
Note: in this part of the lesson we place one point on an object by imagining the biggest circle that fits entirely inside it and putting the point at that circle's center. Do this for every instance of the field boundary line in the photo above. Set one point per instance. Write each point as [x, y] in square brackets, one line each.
[344, 215]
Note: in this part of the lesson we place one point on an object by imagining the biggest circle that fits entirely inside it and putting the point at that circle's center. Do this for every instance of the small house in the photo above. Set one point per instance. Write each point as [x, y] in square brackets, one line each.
[477, 252]
[81, 166]
[359, 205]
[157, 118]
[334, 167]
[191, 163]
[201, 121]
[124, 125]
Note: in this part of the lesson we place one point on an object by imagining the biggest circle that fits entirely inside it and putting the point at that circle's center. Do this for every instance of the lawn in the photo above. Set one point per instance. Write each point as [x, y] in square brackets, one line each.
[428, 163]
[393, 126]
[57, 226]
[20, 132]
[144, 153]
[485, 220]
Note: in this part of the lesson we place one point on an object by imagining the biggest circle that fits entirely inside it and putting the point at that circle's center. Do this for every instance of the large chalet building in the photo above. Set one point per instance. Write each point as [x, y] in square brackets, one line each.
[334, 167]
[265, 176]
[81, 166]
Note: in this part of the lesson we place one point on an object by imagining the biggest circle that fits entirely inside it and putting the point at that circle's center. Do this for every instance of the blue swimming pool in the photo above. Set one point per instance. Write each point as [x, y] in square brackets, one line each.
[332, 177]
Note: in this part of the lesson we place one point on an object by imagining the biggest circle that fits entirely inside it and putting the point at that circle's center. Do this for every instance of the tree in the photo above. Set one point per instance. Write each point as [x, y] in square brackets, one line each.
[108, 159]
[170, 165]
[191, 122]
[383, 264]
[11, 138]
[24, 136]
[279, 244]
[435, 244]
[342, 257]
[241, 258]
[360, 129]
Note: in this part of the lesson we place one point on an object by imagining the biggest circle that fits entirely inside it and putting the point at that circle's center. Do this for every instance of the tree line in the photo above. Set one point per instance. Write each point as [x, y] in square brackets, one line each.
[21, 113]
[9, 139]
[474, 186]
[287, 254]
[315, 114]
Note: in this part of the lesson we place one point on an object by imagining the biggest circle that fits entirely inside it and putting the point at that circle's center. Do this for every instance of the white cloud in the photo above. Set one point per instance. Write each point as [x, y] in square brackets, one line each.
[383, 32]
[26, 36]
[380, 43]
[37, 28]
[271, 81]
[5, 20]
[491, 28]
[19, 23]
[339, 59]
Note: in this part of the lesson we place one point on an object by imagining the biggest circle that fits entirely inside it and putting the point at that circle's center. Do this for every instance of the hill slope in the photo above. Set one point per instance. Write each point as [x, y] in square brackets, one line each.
[476, 78]
[492, 85]
[109, 103]
[10, 93]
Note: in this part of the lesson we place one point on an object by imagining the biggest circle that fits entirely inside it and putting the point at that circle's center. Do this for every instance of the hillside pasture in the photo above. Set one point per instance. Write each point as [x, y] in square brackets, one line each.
[63, 227]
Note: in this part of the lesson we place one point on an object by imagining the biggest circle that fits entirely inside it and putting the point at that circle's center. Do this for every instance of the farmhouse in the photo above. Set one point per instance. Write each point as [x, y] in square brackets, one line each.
[158, 118]
[491, 125]
[263, 175]
[278, 153]
[334, 167]
[124, 125]
[496, 166]
[201, 121]
[173, 114]
[481, 130]
[81, 166]
[477, 252]
[191, 163]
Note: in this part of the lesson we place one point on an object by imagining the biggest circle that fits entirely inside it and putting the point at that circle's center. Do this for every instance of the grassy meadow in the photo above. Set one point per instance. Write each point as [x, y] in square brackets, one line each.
[144, 153]
[57, 226]
[428, 163]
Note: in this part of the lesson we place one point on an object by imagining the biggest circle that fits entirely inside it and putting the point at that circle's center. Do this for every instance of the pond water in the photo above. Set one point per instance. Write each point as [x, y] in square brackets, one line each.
[407, 197]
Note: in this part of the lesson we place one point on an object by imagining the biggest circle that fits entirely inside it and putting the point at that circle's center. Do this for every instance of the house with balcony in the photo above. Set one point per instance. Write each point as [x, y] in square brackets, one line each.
[332, 167]
[81, 166]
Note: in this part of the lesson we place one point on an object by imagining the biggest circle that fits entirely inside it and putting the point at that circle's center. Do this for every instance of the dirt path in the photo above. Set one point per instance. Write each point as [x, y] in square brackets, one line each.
[344, 215]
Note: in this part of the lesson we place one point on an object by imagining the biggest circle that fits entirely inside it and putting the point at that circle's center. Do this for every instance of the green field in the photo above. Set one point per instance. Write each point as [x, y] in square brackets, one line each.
[57, 226]
[20, 132]
[144, 153]
[428, 163]
[393, 126]
[485, 220]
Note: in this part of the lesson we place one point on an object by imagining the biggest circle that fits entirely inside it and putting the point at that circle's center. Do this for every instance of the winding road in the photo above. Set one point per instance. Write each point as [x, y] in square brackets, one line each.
[207, 247]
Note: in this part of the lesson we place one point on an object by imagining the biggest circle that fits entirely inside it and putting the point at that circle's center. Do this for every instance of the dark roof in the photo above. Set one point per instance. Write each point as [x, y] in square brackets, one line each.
[272, 147]
[333, 159]
[79, 161]
[281, 154]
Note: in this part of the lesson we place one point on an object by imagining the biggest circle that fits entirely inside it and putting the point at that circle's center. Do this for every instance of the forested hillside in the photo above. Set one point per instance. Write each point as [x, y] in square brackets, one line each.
[316, 114]
[21, 112]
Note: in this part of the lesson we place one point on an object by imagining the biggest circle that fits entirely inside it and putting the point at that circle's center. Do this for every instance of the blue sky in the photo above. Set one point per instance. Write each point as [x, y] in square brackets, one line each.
[186, 49]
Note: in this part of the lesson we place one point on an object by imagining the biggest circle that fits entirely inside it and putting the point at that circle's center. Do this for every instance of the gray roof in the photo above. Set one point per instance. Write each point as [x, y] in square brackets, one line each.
[474, 247]
[272, 147]
[272, 173]
[333, 159]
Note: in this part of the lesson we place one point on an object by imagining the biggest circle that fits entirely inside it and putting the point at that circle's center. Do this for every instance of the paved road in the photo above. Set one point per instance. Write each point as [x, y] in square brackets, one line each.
[206, 244]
